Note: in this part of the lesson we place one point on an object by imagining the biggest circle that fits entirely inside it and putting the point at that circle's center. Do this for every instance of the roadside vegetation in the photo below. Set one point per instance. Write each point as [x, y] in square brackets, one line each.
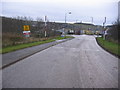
[14, 39]
[111, 42]
[110, 46]
[15, 47]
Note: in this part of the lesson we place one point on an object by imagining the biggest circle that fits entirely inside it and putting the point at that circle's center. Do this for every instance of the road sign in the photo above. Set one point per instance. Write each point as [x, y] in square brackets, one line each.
[26, 33]
[26, 28]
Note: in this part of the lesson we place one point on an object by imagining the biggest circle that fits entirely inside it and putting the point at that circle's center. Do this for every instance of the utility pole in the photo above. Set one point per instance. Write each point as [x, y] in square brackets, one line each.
[92, 20]
[45, 25]
[104, 28]
[65, 17]
[76, 21]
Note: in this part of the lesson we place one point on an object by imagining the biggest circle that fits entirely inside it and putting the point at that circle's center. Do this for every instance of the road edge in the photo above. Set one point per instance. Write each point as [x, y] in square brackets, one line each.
[34, 53]
[106, 49]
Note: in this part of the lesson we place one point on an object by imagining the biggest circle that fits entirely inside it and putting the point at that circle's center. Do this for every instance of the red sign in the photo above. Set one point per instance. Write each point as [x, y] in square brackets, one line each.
[26, 32]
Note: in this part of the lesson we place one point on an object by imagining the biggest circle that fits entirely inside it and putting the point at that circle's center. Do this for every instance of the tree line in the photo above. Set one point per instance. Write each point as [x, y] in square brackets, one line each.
[113, 32]
[37, 28]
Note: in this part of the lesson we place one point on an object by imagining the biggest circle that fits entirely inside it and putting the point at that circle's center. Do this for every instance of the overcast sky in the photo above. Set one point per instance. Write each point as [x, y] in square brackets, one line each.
[81, 10]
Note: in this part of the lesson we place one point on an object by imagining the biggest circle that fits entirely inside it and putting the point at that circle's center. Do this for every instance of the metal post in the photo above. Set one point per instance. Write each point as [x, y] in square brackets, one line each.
[104, 28]
[45, 20]
[92, 20]
[65, 17]
[66, 20]
[45, 34]
[45, 25]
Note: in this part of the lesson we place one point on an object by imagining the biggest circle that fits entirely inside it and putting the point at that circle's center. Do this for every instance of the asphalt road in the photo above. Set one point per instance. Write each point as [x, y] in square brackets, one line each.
[77, 63]
[15, 56]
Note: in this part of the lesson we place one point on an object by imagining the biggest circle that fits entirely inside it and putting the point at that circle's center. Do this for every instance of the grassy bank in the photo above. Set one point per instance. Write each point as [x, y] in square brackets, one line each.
[109, 46]
[25, 45]
[59, 38]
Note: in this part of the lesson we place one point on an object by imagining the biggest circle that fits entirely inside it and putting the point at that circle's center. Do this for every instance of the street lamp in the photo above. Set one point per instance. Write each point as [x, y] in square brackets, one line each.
[66, 16]
[65, 21]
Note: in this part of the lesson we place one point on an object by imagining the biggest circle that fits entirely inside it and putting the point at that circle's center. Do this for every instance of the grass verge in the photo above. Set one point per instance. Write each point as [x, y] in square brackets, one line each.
[21, 46]
[111, 47]
[59, 38]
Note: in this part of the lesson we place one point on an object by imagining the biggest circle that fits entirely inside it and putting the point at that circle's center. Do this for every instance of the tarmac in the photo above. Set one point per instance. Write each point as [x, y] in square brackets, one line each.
[15, 56]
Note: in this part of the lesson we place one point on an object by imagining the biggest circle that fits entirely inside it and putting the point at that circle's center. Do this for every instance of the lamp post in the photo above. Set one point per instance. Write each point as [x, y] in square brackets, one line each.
[66, 20]
[66, 16]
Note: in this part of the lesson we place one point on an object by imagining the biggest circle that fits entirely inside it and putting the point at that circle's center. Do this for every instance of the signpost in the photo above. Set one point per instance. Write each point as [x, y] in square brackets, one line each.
[26, 30]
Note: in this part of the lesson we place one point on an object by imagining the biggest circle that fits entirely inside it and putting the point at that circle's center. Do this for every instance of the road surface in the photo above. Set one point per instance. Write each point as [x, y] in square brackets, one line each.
[77, 63]
[15, 56]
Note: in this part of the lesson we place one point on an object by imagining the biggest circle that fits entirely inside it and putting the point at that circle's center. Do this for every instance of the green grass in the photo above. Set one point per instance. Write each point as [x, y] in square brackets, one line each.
[21, 46]
[59, 38]
[109, 46]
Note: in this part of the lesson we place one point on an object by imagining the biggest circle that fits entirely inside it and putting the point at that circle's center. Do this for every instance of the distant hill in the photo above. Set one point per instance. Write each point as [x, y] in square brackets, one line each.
[14, 25]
